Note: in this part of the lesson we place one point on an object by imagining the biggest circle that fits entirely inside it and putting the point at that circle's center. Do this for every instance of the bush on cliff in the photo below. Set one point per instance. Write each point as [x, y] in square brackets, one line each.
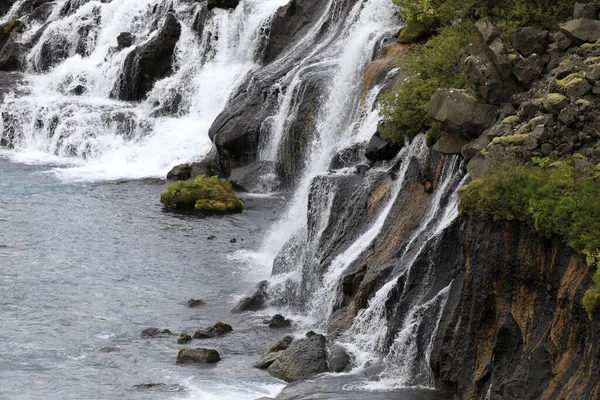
[427, 67]
[556, 200]
[207, 194]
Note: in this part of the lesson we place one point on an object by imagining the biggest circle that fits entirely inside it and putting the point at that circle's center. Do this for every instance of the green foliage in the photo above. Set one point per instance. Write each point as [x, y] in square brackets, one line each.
[555, 199]
[208, 194]
[591, 298]
[427, 67]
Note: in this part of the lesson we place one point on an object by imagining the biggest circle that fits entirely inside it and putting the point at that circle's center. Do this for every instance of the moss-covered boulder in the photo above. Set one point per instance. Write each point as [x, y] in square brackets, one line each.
[207, 194]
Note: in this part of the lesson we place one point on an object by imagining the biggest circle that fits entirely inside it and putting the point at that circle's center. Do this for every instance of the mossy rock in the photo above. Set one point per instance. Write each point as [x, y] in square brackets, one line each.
[211, 195]
[512, 140]
[554, 102]
[414, 32]
[512, 120]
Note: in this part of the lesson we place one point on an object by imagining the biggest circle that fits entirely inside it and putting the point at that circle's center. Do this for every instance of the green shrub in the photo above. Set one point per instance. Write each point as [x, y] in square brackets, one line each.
[426, 68]
[555, 199]
[207, 194]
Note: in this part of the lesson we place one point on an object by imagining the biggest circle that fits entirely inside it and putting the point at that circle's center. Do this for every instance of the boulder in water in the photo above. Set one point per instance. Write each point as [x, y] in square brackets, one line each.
[255, 177]
[279, 321]
[180, 172]
[184, 338]
[148, 63]
[198, 356]
[155, 333]
[257, 301]
[193, 303]
[210, 195]
[339, 360]
[304, 359]
[218, 329]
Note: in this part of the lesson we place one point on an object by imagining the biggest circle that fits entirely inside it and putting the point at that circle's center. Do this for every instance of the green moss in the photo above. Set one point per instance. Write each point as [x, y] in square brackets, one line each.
[512, 140]
[582, 103]
[570, 80]
[512, 120]
[209, 194]
[555, 199]
[414, 32]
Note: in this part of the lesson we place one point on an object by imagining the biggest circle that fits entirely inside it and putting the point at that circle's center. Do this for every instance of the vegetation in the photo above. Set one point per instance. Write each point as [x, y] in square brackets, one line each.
[207, 194]
[555, 199]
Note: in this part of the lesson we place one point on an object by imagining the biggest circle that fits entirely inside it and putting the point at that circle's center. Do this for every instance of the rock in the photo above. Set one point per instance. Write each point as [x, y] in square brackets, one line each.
[256, 177]
[234, 240]
[257, 301]
[586, 11]
[479, 166]
[198, 356]
[348, 157]
[529, 109]
[529, 40]
[12, 56]
[180, 172]
[577, 88]
[460, 114]
[282, 344]
[223, 4]
[471, 149]
[184, 338]
[449, 145]
[381, 150]
[362, 169]
[581, 30]
[569, 115]
[155, 332]
[529, 69]
[339, 360]
[124, 40]
[266, 360]
[279, 321]
[546, 149]
[219, 329]
[148, 62]
[211, 237]
[304, 359]
[555, 102]
[193, 303]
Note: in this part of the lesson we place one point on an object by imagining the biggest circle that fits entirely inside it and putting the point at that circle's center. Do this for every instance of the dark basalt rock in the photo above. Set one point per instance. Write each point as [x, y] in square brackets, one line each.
[279, 321]
[581, 30]
[184, 338]
[180, 172]
[124, 40]
[219, 329]
[257, 301]
[155, 333]
[586, 11]
[381, 150]
[256, 177]
[339, 360]
[198, 356]
[304, 359]
[224, 4]
[193, 303]
[348, 157]
[529, 40]
[148, 63]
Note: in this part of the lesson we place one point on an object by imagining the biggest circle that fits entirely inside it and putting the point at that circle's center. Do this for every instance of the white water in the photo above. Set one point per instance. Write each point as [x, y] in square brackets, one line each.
[95, 149]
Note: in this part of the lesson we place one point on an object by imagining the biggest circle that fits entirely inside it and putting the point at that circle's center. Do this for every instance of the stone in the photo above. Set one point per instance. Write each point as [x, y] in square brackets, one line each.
[266, 360]
[529, 109]
[223, 4]
[381, 150]
[460, 114]
[279, 321]
[339, 360]
[184, 338]
[586, 11]
[282, 344]
[362, 169]
[471, 149]
[487, 31]
[180, 172]
[348, 157]
[304, 359]
[529, 40]
[198, 356]
[577, 88]
[569, 114]
[217, 330]
[529, 69]
[255, 302]
[256, 177]
[193, 303]
[211, 237]
[148, 62]
[234, 240]
[155, 333]
[479, 166]
[581, 30]
[124, 40]
[449, 145]
[546, 149]
[555, 102]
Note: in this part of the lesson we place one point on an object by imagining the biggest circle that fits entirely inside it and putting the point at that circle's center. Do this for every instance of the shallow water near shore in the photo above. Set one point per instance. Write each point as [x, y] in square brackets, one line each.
[85, 267]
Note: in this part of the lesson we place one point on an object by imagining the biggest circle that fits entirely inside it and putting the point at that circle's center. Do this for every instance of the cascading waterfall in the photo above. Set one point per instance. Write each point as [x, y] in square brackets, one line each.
[102, 138]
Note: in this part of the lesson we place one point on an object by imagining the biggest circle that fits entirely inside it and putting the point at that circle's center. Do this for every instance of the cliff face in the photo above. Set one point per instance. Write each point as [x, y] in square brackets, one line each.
[518, 329]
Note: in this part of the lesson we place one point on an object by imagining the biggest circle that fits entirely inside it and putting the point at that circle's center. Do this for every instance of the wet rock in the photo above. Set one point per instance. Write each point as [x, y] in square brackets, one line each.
[362, 169]
[581, 30]
[257, 301]
[219, 329]
[198, 356]
[211, 237]
[223, 4]
[148, 62]
[529, 40]
[124, 40]
[304, 359]
[339, 360]
[12, 56]
[78, 90]
[255, 178]
[184, 338]
[586, 11]
[193, 303]
[155, 333]
[460, 114]
[180, 172]
[42, 12]
[234, 240]
[381, 150]
[266, 360]
[282, 344]
[348, 157]
[279, 321]
[7, 30]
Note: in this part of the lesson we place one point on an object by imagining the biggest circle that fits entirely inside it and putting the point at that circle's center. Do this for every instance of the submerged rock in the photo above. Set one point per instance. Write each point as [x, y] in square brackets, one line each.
[148, 63]
[219, 329]
[184, 338]
[193, 303]
[155, 332]
[224, 4]
[257, 301]
[279, 321]
[198, 356]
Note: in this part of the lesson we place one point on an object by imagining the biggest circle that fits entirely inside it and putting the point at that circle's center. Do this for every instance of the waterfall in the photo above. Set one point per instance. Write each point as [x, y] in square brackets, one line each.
[96, 137]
